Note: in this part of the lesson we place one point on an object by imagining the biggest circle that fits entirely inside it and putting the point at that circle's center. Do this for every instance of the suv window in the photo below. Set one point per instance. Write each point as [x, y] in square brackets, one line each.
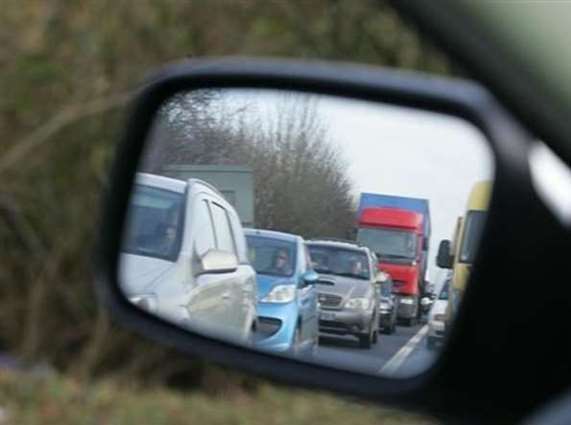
[340, 261]
[224, 238]
[204, 239]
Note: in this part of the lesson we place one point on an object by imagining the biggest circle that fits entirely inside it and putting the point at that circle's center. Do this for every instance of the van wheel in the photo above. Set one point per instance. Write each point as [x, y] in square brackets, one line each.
[252, 335]
[375, 338]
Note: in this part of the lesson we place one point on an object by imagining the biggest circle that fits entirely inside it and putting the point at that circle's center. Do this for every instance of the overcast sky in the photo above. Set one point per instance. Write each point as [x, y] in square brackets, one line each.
[398, 151]
[406, 152]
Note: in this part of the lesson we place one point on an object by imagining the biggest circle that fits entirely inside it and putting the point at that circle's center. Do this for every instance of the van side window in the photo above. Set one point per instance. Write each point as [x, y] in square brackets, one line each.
[204, 239]
[224, 238]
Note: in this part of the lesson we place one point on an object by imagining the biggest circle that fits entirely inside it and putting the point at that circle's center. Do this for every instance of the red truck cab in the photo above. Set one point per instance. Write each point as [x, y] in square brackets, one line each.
[396, 235]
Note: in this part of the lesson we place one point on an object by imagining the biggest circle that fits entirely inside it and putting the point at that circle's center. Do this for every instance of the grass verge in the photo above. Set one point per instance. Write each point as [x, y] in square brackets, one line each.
[60, 400]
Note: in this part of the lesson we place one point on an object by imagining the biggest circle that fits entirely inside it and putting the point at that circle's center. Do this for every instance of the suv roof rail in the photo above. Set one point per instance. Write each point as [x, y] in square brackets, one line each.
[204, 183]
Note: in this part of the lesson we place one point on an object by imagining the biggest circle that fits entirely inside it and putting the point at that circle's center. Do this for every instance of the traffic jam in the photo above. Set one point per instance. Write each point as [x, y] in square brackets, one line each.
[335, 231]
[362, 303]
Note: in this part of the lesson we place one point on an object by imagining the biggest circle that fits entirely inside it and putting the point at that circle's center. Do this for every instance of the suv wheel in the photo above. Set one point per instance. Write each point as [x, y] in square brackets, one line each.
[411, 321]
[365, 340]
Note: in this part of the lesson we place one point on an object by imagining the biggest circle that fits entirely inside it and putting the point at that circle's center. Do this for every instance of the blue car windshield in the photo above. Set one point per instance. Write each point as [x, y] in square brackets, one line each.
[271, 256]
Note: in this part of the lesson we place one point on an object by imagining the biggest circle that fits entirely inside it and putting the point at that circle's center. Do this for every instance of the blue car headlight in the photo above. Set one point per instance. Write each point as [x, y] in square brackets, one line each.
[280, 294]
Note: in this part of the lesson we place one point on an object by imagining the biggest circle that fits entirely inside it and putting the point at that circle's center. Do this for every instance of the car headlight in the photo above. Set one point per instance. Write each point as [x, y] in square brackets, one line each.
[280, 294]
[439, 317]
[358, 303]
[147, 302]
[383, 305]
[407, 301]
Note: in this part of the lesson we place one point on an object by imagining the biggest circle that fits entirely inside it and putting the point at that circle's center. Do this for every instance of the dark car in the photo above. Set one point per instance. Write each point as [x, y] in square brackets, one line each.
[387, 304]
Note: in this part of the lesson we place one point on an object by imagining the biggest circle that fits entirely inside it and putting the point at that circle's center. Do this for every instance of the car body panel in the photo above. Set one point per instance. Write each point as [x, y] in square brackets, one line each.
[220, 303]
[335, 291]
[299, 315]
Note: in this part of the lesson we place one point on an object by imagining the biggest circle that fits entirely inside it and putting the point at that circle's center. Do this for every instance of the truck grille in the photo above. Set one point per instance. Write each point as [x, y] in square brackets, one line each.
[329, 300]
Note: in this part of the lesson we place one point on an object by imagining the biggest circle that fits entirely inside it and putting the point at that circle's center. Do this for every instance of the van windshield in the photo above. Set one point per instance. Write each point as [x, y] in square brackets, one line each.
[388, 243]
[154, 223]
[444, 291]
[472, 231]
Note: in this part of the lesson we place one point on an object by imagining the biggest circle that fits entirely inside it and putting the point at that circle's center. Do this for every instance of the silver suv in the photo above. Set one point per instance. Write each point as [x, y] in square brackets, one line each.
[348, 290]
[184, 258]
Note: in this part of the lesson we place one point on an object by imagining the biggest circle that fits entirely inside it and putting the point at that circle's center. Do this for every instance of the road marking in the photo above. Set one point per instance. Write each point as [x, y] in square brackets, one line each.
[396, 361]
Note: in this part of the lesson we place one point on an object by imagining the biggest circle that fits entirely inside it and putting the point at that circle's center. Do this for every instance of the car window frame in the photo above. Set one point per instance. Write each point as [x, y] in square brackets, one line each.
[214, 204]
[203, 202]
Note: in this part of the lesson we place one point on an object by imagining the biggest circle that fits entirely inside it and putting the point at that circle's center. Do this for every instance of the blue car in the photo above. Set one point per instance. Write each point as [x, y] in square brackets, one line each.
[286, 293]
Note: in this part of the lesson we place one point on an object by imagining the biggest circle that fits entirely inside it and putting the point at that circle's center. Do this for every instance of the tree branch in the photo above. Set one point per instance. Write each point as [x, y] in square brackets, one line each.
[62, 119]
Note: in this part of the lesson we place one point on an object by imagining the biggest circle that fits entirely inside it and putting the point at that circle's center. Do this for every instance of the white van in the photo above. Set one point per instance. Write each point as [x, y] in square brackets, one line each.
[184, 258]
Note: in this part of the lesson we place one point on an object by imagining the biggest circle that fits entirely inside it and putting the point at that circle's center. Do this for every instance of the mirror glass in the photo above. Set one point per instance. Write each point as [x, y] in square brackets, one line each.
[334, 230]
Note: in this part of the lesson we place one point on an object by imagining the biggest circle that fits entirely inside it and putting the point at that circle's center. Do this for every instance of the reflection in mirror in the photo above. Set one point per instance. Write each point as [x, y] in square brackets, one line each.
[307, 225]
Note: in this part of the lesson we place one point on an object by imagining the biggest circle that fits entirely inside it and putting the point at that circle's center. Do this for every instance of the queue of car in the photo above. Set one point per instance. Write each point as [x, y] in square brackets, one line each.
[187, 259]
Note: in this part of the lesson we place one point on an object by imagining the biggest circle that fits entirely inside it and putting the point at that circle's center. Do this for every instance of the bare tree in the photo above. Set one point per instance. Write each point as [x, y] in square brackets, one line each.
[301, 180]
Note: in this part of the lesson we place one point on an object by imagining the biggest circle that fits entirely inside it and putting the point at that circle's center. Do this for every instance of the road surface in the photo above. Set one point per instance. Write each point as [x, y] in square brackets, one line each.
[403, 353]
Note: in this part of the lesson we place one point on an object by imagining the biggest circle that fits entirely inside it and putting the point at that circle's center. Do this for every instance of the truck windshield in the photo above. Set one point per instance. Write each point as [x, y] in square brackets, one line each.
[154, 226]
[339, 261]
[389, 243]
[472, 231]
[271, 256]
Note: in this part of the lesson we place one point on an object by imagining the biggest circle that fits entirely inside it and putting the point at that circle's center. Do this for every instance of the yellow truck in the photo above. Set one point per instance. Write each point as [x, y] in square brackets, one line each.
[459, 253]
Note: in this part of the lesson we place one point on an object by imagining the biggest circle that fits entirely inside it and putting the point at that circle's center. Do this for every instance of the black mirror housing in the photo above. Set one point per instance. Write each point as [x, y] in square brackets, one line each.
[424, 392]
[444, 259]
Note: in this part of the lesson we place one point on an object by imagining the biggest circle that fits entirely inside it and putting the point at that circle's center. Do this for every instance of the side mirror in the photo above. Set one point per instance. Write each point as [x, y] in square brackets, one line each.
[228, 322]
[444, 259]
[215, 261]
[309, 278]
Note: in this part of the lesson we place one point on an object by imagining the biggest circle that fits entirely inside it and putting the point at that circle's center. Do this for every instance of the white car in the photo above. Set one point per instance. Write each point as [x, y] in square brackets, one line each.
[184, 258]
[437, 318]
